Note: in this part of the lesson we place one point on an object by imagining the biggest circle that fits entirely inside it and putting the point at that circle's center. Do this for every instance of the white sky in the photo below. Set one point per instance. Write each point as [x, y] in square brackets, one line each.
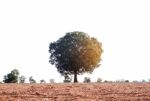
[28, 26]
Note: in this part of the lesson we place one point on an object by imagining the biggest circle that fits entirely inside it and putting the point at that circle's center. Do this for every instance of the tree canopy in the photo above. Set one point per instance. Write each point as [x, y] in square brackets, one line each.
[75, 53]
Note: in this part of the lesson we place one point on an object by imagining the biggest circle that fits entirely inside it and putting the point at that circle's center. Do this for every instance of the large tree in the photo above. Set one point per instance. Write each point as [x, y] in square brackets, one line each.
[75, 53]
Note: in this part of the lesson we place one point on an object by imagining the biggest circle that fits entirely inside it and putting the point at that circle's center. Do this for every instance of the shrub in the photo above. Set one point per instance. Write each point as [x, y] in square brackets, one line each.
[12, 77]
[22, 79]
[87, 80]
[99, 80]
[52, 81]
[31, 80]
[42, 81]
[67, 79]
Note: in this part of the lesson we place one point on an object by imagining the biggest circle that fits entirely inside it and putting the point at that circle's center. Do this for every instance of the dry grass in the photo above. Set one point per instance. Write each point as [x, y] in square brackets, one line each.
[76, 92]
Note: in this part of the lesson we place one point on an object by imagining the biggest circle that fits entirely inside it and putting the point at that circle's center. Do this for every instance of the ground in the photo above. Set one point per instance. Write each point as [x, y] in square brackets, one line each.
[75, 92]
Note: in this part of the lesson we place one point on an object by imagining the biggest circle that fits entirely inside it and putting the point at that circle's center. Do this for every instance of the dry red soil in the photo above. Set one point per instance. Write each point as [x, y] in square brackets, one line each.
[75, 92]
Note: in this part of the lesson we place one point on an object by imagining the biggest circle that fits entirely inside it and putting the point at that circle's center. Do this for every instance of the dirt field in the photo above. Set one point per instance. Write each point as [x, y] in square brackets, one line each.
[76, 92]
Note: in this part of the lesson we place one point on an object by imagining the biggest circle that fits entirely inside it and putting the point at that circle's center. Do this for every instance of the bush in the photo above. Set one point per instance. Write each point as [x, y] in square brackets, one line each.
[127, 81]
[67, 79]
[52, 81]
[106, 81]
[87, 80]
[135, 81]
[22, 79]
[31, 80]
[42, 81]
[99, 80]
[11, 77]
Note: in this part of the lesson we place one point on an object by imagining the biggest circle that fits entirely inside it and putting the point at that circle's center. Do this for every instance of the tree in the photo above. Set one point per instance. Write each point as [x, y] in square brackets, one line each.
[135, 81]
[31, 80]
[67, 79]
[143, 80]
[42, 81]
[149, 80]
[52, 81]
[75, 53]
[22, 79]
[99, 80]
[12, 77]
[87, 80]
[127, 81]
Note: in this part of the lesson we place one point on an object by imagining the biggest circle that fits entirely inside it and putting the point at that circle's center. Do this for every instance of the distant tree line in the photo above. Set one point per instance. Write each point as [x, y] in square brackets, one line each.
[13, 77]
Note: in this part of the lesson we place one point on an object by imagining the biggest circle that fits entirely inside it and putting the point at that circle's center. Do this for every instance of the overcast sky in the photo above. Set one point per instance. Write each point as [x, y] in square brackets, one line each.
[28, 26]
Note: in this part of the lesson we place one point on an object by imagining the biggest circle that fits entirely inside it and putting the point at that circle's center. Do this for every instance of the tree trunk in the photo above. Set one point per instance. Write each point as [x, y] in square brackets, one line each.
[75, 77]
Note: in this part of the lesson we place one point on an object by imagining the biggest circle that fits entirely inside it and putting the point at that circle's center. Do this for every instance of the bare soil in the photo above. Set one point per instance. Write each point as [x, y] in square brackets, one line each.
[75, 92]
